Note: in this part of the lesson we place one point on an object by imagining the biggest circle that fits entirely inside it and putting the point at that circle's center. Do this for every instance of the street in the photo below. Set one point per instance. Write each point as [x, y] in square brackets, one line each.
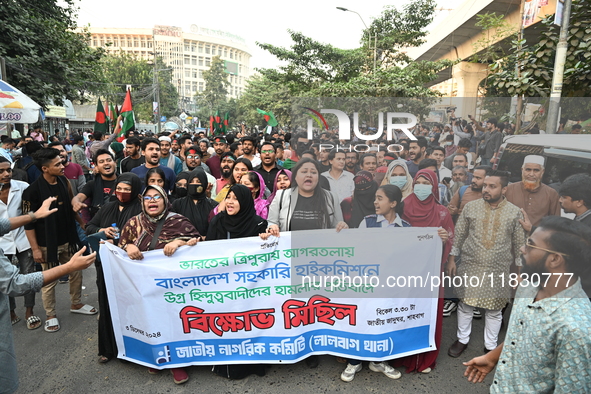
[66, 362]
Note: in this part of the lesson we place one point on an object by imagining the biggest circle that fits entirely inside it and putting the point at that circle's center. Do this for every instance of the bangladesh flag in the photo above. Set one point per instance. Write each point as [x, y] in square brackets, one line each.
[128, 117]
[269, 117]
[226, 123]
[100, 120]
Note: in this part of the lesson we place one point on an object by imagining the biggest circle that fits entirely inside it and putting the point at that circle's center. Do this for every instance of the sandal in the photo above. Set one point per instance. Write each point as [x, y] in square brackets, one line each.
[33, 322]
[53, 322]
[103, 359]
[15, 320]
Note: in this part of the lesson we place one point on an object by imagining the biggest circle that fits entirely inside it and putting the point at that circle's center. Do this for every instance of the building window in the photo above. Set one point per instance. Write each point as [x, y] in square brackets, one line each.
[207, 62]
[200, 74]
[187, 73]
[187, 48]
[194, 60]
[225, 52]
[193, 48]
[187, 60]
[231, 54]
[194, 86]
[194, 74]
[149, 44]
[201, 86]
[201, 61]
[200, 48]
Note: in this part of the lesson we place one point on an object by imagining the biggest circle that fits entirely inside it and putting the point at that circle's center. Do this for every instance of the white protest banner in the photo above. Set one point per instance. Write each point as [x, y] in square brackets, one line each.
[366, 294]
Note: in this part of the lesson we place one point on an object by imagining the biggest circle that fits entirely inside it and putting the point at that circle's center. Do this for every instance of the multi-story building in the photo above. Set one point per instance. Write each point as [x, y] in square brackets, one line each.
[188, 53]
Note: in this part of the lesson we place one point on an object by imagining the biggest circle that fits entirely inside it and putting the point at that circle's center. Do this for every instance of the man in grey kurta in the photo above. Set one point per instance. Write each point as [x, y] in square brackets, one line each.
[13, 283]
[488, 234]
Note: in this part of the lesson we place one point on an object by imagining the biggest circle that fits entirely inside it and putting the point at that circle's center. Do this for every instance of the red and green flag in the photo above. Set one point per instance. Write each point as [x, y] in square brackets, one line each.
[112, 115]
[100, 120]
[226, 123]
[269, 117]
[128, 117]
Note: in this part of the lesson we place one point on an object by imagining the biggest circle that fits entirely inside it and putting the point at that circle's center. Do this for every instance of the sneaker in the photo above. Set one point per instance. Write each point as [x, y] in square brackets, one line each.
[448, 307]
[385, 369]
[349, 372]
[477, 314]
[179, 375]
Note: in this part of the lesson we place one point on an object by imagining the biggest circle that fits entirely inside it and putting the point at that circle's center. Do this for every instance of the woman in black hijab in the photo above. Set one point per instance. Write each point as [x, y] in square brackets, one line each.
[179, 189]
[127, 205]
[196, 206]
[239, 220]
[363, 197]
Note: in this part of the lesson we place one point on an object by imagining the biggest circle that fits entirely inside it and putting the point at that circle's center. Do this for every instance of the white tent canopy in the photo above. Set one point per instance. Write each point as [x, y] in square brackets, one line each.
[16, 107]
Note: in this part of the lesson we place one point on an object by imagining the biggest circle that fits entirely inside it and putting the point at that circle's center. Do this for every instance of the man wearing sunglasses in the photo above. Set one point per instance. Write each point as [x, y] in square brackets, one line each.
[488, 235]
[268, 167]
[193, 160]
[547, 347]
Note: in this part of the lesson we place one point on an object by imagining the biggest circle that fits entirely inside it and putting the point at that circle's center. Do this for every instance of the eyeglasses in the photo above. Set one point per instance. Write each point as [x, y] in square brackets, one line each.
[270, 151]
[530, 244]
[156, 198]
[193, 157]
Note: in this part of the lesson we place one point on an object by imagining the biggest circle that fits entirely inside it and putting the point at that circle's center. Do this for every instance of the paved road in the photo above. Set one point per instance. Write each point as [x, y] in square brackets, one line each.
[66, 362]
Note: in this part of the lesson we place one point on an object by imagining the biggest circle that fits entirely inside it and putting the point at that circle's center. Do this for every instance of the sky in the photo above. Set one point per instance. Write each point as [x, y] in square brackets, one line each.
[260, 20]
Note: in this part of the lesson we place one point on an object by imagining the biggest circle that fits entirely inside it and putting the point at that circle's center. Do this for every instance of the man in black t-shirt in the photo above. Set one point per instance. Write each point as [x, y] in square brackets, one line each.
[134, 157]
[99, 190]
[54, 239]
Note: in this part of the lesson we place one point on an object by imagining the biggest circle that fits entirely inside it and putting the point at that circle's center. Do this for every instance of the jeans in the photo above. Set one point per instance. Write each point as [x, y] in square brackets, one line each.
[27, 266]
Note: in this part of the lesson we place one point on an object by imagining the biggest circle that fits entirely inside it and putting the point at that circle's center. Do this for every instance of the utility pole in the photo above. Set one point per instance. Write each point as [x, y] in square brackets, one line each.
[557, 77]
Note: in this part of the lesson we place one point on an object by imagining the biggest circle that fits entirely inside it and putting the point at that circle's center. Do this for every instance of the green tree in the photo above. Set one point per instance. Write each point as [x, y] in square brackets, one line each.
[216, 88]
[45, 57]
[536, 62]
[267, 95]
[125, 69]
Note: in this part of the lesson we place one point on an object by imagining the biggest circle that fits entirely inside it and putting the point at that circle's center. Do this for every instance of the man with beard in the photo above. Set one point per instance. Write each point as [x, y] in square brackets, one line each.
[185, 142]
[535, 199]
[547, 345]
[204, 146]
[227, 164]
[299, 144]
[488, 234]
[151, 150]
[468, 193]
[416, 153]
[167, 158]
[351, 159]
[220, 145]
[248, 149]
[575, 197]
[134, 157]
[269, 167]
[101, 188]
[174, 147]
[72, 171]
[192, 161]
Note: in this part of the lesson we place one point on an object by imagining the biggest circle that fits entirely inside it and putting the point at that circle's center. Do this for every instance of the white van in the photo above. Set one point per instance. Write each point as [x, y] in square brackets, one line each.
[566, 154]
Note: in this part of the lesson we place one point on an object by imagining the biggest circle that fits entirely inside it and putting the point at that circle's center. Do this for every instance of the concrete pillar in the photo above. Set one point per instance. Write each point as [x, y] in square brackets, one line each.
[468, 76]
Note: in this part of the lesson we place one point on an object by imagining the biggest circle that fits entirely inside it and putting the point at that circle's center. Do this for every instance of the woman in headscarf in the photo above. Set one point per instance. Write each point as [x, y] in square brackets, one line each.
[117, 147]
[196, 206]
[141, 234]
[255, 182]
[423, 209]
[282, 181]
[117, 213]
[180, 186]
[241, 166]
[363, 197]
[398, 175]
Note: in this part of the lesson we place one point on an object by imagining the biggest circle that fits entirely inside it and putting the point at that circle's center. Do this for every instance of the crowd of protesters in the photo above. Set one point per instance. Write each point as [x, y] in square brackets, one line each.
[179, 188]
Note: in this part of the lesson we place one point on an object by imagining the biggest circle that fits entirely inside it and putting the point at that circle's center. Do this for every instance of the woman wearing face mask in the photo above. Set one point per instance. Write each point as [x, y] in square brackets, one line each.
[422, 209]
[241, 166]
[127, 205]
[157, 228]
[180, 186]
[253, 180]
[398, 175]
[282, 182]
[363, 197]
[196, 206]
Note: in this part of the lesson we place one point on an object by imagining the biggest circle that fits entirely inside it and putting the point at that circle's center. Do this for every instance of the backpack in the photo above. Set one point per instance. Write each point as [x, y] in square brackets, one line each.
[462, 191]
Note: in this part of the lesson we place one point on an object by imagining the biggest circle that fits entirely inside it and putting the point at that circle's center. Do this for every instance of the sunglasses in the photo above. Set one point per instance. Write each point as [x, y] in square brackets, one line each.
[530, 244]
[153, 198]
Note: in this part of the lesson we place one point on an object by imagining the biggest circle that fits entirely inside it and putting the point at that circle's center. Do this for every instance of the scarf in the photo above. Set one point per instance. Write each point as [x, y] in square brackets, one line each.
[245, 223]
[140, 229]
[407, 189]
[197, 213]
[275, 190]
[261, 206]
[51, 222]
[363, 197]
[111, 214]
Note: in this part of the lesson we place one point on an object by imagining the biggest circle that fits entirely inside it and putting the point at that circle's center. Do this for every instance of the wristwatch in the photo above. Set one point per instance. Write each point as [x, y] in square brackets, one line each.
[33, 217]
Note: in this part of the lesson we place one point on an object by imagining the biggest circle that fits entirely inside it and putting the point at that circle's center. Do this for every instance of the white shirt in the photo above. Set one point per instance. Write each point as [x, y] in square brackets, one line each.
[383, 222]
[342, 187]
[444, 172]
[15, 241]
[255, 162]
